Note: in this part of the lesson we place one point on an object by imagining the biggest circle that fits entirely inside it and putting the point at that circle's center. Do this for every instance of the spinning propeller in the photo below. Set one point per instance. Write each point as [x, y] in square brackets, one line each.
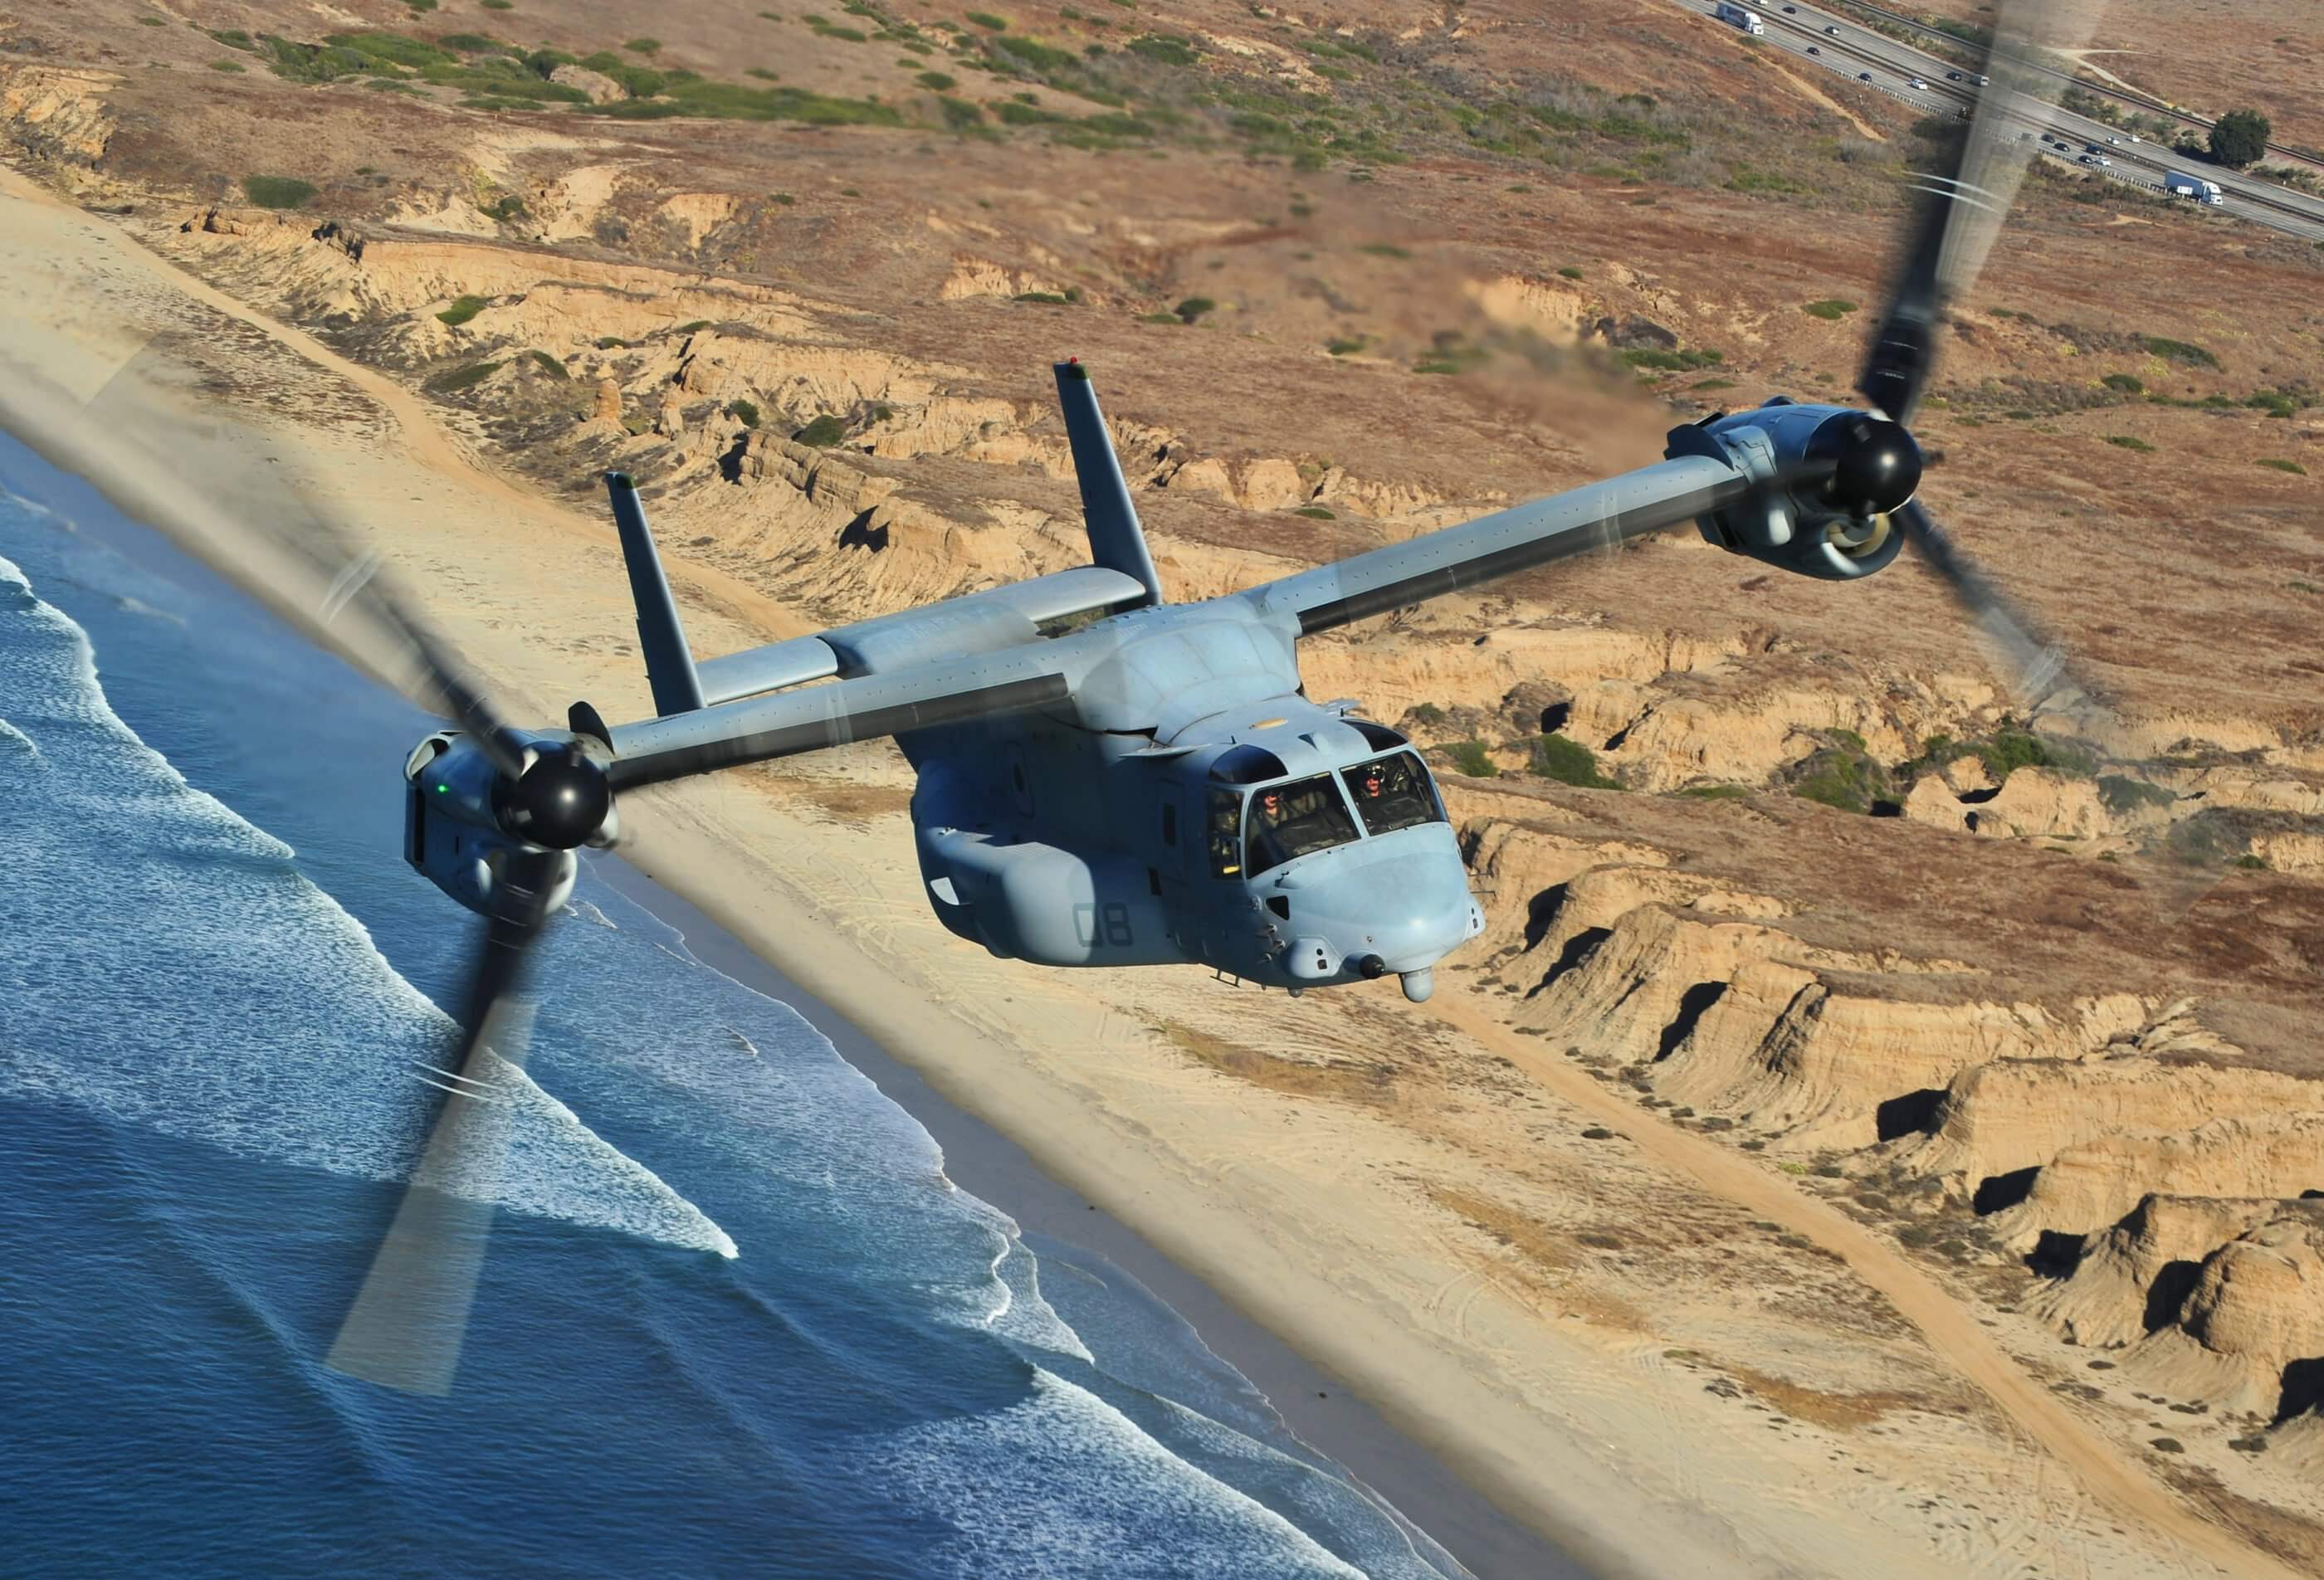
[143, 441]
[1961, 212]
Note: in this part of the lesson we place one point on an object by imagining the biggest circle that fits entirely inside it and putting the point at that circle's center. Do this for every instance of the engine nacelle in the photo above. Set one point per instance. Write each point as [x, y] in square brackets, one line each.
[1801, 528]
[451, 836]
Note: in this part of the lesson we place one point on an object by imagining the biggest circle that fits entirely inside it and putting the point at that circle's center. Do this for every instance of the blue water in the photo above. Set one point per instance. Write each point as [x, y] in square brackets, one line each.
[735, 1320]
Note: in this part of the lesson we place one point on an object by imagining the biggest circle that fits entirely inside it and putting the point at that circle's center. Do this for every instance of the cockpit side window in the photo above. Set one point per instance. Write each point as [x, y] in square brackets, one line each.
[1296, 819]
[1225, 833]
[1392, 792]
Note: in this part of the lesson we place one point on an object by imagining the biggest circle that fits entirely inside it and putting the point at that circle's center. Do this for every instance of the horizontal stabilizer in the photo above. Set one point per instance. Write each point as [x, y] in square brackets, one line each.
[1117, 542]
[670, 665]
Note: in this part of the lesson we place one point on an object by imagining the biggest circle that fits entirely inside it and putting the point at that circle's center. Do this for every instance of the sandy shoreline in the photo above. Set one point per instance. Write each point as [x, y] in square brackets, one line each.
[1566, 1409]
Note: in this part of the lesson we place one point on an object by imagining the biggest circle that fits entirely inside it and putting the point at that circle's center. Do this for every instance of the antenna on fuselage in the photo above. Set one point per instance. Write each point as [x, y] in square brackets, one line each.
[1117, 542]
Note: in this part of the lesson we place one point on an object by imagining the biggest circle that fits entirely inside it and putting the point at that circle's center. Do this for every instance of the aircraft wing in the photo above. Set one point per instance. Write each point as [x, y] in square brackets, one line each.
[1600, 516]
[755, 730]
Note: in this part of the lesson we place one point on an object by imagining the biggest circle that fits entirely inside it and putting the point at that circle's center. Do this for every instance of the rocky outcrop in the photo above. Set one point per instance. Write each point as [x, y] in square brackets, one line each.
[2092, 1184]
[2219, 1301]
[601, 89]
[58, 113]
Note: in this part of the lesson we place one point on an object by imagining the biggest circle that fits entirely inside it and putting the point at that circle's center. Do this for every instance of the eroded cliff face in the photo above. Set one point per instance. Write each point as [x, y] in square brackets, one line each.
[2145, 1181]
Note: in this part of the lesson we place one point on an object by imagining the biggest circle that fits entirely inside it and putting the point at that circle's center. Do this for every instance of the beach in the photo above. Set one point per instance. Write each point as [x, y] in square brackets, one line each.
[1353, 1231]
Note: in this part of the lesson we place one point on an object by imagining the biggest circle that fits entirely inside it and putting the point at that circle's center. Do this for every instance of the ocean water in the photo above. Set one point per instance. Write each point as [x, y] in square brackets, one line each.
[735, 1320]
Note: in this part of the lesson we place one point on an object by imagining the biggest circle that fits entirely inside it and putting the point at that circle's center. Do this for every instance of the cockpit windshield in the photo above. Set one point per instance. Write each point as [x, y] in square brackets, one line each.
[1296, 819]
[1392, 792]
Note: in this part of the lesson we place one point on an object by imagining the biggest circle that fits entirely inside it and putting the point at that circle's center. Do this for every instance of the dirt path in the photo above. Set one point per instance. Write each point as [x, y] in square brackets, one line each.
[1947, 1325]
[1816, 96]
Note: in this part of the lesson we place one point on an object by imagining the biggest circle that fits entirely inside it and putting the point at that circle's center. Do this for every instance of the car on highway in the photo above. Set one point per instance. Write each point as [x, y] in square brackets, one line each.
[1813, 50]
[1791, 11]
[1864, 76]
[1953, 76]
[1921, 83]
[1833, 32]
[2098, 161]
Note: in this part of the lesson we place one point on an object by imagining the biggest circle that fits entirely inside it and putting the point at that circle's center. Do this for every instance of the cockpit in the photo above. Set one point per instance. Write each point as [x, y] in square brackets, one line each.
[1254, 829]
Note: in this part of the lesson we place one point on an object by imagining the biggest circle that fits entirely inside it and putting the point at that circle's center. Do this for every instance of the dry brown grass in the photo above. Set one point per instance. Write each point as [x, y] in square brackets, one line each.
[1342, 1081]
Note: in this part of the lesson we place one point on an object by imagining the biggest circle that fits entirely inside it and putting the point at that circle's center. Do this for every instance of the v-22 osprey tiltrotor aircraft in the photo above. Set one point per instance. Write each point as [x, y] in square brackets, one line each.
[1155, 786]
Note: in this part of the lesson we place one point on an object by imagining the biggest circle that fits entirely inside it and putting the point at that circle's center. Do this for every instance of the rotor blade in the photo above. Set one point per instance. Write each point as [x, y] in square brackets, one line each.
[409, 1319]
[1963, 201]
[142, 440]
[2034, 665]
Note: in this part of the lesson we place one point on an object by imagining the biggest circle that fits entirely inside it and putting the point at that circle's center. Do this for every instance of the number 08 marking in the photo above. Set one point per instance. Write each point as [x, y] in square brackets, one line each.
[1115, 932]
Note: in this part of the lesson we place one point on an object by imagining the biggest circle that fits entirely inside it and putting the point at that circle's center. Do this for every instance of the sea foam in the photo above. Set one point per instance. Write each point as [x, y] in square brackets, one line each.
[241, 1005]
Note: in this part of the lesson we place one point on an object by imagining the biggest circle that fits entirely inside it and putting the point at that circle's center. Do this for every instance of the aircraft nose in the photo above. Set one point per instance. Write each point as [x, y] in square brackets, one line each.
[1407, 910]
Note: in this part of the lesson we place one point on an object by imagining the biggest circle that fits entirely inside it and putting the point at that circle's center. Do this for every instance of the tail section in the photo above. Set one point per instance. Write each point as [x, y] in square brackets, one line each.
[1117, 542]
[670, 665]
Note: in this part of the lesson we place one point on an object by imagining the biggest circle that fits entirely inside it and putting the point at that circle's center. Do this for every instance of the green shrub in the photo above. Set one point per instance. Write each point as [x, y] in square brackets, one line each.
[2130, 442]
[1054, 298]
[549, 364]
[466, 378]
[1038, 56]
[1384, 249]
[1344, 347]
[1435, 366]
[937, 82]
[746, 412]
[1712, 384]
[2294, 467]
[1023, 114]
[1194, 308]
[2125, 382]
[1170, 51]
[1569, 762]
[497, 5]
[1427, 715]
[462, 309]
[1717, 792]
[232, 66]
[824, 432]
[643, 46]
[611, 342]
[1471, 758]
[990, 22]
[2122, 794]
[2179, 351]
[1571, 272]
[1829, 310]
[277, 191]
[1316, 513]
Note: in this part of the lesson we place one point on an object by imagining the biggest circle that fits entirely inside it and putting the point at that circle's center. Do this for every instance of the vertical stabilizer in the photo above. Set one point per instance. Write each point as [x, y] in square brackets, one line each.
[669, 666]
[1116, 541]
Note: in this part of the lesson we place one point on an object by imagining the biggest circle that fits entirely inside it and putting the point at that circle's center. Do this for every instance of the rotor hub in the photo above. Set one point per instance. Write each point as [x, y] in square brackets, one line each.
[561, 800]
[1876, 465]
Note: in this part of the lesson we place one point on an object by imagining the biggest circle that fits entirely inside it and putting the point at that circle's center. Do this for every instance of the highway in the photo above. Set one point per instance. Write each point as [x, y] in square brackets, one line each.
[1854, 48]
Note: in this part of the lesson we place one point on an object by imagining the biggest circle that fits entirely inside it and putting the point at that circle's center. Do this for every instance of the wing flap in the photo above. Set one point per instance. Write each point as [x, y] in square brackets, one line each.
[760, 729]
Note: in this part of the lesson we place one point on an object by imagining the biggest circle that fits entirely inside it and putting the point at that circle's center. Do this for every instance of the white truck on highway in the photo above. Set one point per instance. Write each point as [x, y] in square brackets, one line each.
[2195, 187]
[1735, 16]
